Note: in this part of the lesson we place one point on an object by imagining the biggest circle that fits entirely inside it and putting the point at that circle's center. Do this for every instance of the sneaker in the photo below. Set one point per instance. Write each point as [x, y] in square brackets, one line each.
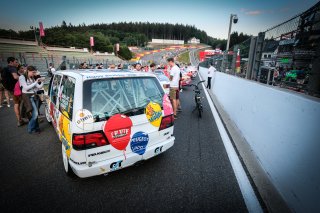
[8, 105]
[175, 117]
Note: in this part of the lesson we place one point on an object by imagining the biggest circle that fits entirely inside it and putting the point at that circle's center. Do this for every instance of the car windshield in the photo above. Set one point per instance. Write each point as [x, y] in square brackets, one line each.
[106, 97]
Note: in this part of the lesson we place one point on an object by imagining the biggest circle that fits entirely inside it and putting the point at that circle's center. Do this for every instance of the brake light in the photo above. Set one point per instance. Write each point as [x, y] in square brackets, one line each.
[88, 140]
[166, 122]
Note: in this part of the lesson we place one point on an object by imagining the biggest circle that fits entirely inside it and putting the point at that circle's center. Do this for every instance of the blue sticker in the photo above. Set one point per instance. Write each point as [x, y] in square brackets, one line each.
[139, 142]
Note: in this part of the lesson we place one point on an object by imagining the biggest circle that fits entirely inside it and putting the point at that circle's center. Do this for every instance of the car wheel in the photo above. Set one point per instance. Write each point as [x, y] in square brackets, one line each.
[65, 161]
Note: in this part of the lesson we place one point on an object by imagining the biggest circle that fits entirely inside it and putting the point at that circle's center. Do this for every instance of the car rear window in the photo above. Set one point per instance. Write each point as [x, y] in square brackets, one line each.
[162, 77]
[106, 97]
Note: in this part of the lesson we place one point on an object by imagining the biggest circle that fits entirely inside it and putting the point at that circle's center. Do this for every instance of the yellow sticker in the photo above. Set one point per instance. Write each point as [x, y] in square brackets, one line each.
[64, 124]
[154, 114]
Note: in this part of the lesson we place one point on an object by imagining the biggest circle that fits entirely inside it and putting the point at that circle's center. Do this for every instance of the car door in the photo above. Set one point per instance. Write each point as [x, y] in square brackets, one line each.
[65, 104]
[53, 96]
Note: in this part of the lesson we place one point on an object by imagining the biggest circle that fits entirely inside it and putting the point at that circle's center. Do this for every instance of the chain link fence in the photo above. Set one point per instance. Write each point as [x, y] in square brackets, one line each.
[286, 55]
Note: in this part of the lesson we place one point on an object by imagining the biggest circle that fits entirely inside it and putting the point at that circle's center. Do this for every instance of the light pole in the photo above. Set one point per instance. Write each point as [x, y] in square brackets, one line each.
[234, 18]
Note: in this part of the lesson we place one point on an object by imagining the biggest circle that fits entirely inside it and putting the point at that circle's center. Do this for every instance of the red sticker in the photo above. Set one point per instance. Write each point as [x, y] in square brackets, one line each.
[118, 131]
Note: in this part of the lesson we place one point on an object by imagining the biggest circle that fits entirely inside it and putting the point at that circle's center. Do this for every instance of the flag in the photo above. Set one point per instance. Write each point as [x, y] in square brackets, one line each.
[238, 62]
[91, 42]
[41, 29]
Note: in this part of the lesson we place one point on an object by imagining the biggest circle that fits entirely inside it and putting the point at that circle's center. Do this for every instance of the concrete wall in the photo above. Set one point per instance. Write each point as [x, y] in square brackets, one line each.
[283, 130]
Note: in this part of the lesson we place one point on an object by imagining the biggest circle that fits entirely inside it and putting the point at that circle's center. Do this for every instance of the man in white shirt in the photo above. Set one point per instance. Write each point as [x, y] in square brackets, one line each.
[174, 84]
[210, 75]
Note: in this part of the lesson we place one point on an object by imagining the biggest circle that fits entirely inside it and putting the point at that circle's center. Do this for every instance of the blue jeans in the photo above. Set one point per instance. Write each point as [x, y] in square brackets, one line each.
[33, 125]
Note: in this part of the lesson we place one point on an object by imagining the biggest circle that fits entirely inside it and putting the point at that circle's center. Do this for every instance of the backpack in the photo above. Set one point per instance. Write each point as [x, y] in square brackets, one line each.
[7, 79]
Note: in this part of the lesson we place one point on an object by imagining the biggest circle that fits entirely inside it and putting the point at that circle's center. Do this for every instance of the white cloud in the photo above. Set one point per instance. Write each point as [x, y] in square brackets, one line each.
[253, 12]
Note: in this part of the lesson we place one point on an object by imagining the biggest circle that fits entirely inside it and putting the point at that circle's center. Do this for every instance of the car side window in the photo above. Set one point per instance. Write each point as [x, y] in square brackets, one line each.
[50, 84]
[66, 98]
[55, 89]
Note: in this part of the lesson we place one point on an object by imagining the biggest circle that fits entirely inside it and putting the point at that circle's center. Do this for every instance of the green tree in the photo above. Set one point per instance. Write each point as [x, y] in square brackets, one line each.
[125, 53]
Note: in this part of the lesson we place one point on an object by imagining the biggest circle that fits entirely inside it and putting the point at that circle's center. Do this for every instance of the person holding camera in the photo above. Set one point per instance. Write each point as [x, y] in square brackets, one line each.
[30, 87]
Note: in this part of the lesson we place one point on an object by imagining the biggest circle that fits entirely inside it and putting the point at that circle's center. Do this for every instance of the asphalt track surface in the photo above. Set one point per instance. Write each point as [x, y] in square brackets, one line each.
[195, 175]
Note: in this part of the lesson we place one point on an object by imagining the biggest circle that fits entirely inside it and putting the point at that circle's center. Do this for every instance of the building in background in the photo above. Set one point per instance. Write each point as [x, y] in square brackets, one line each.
[194, 41]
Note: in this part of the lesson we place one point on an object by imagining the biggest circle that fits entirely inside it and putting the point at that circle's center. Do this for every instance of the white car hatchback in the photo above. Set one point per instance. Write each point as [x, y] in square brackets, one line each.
[108, 120]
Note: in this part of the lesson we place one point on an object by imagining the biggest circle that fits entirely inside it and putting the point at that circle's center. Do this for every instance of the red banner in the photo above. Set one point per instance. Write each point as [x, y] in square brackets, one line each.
[41, 29]
[91, 42]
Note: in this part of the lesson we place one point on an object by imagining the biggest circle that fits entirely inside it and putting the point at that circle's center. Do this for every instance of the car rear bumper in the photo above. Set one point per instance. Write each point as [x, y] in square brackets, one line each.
[120, 161]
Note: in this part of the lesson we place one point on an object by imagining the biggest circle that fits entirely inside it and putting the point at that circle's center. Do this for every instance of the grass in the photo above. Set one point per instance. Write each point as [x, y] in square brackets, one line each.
[184, 58]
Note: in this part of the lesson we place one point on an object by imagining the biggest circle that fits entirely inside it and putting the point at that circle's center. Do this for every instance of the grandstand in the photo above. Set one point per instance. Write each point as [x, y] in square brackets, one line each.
[28, 52]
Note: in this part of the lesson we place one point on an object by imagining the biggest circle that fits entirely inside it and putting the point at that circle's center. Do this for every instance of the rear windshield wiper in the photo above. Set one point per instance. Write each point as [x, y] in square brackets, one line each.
[134, 111]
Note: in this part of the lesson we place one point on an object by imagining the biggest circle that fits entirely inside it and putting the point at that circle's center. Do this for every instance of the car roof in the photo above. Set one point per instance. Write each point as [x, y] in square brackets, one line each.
[103, 73]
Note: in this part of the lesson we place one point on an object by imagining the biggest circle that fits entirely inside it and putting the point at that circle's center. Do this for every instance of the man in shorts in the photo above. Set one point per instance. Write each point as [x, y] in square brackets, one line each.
[12, 78]
[174, 84]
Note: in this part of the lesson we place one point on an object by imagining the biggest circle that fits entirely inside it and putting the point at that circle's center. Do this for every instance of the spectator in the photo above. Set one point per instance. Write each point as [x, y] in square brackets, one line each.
[211, 71]
[30, 87]
[51, 70]
[152, 67]
[3, 90]
[21, 69]
[120, 66]
[40, 93]
[9, 78]
[137, 67]
[174, 84]
[112, 67]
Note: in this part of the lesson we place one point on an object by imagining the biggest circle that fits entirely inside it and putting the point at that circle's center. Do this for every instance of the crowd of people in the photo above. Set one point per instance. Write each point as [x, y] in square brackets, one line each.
[25, 85]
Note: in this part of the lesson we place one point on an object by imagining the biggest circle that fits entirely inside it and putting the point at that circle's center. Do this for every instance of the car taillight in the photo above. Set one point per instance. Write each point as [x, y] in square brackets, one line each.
[166, 122]
[88, 140]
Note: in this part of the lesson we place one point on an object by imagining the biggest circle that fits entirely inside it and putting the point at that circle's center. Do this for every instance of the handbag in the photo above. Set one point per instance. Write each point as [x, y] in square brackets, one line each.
[17, 89]
[26, 102]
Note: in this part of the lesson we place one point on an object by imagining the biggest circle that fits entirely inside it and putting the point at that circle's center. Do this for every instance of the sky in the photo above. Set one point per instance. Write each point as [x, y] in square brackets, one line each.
[212, 16]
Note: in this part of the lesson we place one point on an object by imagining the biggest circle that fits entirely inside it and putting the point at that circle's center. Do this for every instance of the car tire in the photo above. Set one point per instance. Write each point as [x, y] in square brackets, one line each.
[65, 160]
